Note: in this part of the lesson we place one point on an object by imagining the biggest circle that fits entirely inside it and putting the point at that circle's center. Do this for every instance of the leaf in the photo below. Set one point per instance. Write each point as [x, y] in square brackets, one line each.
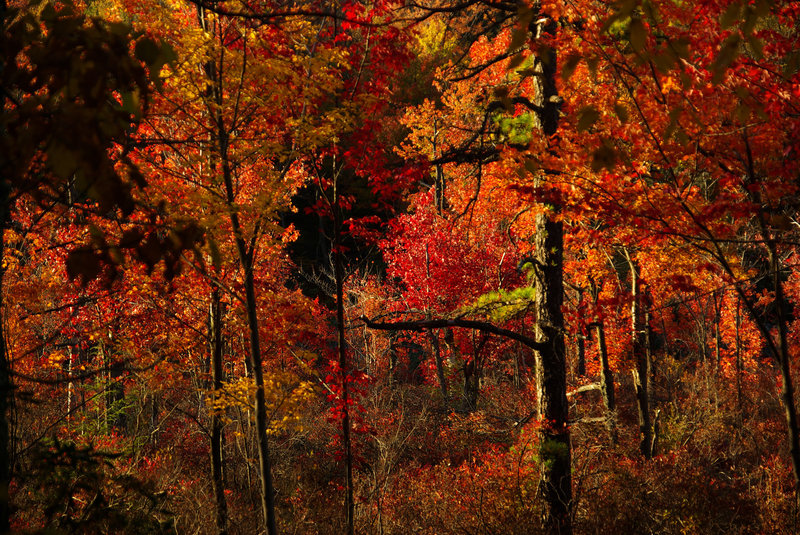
[518, 39]
[731, 15]
[147, 50]
[743, 112]
[750, 20]
[516, 61]
[569, 65]
[131, 104]
[216, 257]
[62, 161]
[638, 34]
[621, 111]
[762, 7]
[621, 11]
[680, 47]
[544, 53]
[592, 63]
[604, 157]
[587, 116]
[756, 46]
[791, 63]
[84, 263]
[727, 54]
[674, 117]
[665, 62]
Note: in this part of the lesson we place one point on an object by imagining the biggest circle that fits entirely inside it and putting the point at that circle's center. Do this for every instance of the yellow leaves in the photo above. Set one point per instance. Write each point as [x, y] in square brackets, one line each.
[669, 85]
[56, 359]
[433, 38]
[285, 395]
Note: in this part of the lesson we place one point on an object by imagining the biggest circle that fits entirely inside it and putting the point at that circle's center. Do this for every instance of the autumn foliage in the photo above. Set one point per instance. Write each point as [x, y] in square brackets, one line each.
[283, 267]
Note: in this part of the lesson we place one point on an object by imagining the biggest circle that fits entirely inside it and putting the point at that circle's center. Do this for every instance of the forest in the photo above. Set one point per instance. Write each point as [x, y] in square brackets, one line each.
[399, 266]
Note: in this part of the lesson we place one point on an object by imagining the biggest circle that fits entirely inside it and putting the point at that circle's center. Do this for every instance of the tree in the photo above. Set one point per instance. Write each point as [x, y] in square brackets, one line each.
[69, 74]
[535, 90]
[683, 121]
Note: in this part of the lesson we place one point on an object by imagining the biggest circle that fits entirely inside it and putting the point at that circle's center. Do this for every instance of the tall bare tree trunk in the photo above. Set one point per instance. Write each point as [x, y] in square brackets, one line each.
[787, 390]
[738, 321]
[642, 370]
[246, 260]
[607, 383]
[215, 327]
[440, 372]
[434, 334]
[220, 139]
[555, 478]
[344, 367]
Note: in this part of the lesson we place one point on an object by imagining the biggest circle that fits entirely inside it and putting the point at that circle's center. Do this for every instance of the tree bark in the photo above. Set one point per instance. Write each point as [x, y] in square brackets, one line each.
[580, 342]
[738, 322]
[220, 138]
[555, 476]
[642, 371]
[246, 261]
[215, 324]
[6, 385]
[432, 335]
[580, 347]
[787, 386]
[554, 453]
[344, 368]
[440, 371]
[607, 384]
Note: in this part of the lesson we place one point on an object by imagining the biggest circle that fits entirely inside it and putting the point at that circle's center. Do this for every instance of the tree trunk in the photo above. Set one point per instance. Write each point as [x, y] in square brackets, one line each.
[787, 390]
[440, 371]
[439, 186]
[246, 260]
[738, 322]
[6, 386]
[580, 341]
[607, 384]
[580, 347]
[267, 491]
[641, 372]
[215, 324]
[717, 347]
[555, 457]
[555, 477]
[344, 368]
[433, 334]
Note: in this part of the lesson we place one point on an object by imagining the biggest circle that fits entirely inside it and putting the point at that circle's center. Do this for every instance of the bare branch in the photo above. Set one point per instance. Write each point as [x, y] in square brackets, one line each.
[419, 325]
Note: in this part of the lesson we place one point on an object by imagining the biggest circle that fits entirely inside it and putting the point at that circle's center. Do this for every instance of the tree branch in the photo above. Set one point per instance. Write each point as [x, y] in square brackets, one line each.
[419, 325]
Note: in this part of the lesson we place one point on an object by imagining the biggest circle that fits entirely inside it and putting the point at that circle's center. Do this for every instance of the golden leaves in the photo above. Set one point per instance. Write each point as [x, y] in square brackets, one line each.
[285, 395]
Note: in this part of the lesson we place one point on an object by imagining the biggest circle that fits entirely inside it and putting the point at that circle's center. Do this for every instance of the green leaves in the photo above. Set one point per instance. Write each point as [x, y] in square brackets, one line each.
[515, 130]
[503, 305]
